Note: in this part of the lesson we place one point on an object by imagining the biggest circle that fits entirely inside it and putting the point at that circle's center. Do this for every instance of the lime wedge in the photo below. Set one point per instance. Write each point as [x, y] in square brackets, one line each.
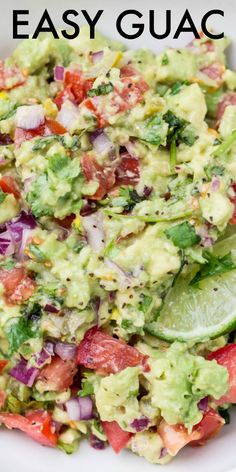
[199, 313]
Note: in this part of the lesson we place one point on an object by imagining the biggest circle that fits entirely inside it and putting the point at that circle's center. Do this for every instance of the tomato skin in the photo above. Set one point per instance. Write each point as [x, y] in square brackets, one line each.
[209, 427]
[127, 171]
[175, 437]
[3, 364]
[214, 71]
[37, 425]
[226, 356]
[100, 351]
[22, 135]
[117, 438]
[18, 286]
[226, 100]
[105, 176]
[75, 89]
[8, 185]
[55, 127]
[65, 94]
[58, 375]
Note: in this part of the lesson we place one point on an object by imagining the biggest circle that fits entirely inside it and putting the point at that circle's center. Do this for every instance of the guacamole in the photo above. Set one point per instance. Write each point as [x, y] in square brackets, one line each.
[117, 244]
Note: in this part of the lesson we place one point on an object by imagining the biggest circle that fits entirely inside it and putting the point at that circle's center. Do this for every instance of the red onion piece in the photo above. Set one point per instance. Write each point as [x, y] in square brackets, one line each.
[97, 56]
[164, 453]
[29, 116]
[124, 279]
[58, 73]
[139, 424]
[203, 404]
[147, 191]
[51, 308]
[101, 142]
[96, 303]
[5, 139]
[93, 225]
[7, 247]
[49, 347]
[68, 114]
[41, 357]
[24, 373]
[79, 408]
[17, 225]
[96, 443]
[215, 184]
[65, 351]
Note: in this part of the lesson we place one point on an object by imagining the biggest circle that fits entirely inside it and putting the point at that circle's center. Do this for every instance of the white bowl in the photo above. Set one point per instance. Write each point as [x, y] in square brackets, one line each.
[19, 453]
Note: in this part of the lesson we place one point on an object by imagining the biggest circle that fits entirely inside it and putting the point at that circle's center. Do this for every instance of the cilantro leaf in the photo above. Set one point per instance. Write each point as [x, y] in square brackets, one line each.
[69, 142]
[144, 305]
[225, 145]
[176, 87]
[87, 387]
[131, 197]
[178, 130]
[165, 60]
[214, 170]
[102, 89]
[19, 330]
[183, 235]
[57, 162]
[2, 196]
[153, 130]
[214, 266]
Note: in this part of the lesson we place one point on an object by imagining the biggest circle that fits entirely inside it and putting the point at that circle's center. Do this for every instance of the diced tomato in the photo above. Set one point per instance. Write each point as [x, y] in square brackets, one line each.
[22, 135]
[226, 356]
[226, 100]
[127, 171]
[105, 176]
[55, 127]
[18, 287]
[117, 438]
[91, 105]
[209, 426]
[128, 71]
[62, 96]
[58, 375]
[9, 185]
[3, 397]
[214, 71]
[175, 437]
[37, 425]
[233, 217]
[131, 93]
[100, 351]
[10, 77]
[3, 364]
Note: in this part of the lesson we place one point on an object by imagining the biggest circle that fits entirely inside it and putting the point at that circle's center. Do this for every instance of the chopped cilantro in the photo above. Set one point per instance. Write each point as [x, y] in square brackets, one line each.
[183, 235]
[131, 197]
[37, 253]
[176, 87]
[87, 388]
[214, 170]
[214, 266]
[102, 89]
[165, 60]
[153, 130]
[19, 330]
[2, 196]
[144, 305]
[225, 145]
[57, 162]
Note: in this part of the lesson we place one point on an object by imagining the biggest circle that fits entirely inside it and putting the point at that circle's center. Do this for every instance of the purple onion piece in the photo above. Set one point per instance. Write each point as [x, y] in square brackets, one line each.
[100, 141]
[139, 424]
[41, 357]
[164, 453]
[112, 296]
[96, 303]
[16, 226]
[24, 373]
[65, 351]
[5, 139]
[79, 408]
[7, 247]
[203, 404]
[147, 191]
[58, 73]
[49, 347]
[97, 56]
[51, 308]
[96, 443]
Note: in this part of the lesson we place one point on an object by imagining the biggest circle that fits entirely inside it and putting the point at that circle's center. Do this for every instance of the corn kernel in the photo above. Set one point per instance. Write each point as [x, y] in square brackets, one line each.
[117, 58]
[77, 222]
[50, 108]
[115, 314]
[3, 96]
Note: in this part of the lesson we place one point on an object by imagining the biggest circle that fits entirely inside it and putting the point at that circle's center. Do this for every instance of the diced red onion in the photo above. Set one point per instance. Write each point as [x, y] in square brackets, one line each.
[139, 424]
[41, 357]
[207, 241]
[203, 404]
[164, 453]
[147, 191]
[58, 73]
[5, 139]
[97, 56]
[93, 225]
[7, 247]
[97, 443]
[65, 351]
[49, 347]
[68, 114]
[96, 303]
[88, 208]
[17, 225]
[111, 296]
[125, 280]
[56, 426]
[29, 116]
[79, 408]
[51, 308]
[215, 184]
[101, 142]
[24, 373]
